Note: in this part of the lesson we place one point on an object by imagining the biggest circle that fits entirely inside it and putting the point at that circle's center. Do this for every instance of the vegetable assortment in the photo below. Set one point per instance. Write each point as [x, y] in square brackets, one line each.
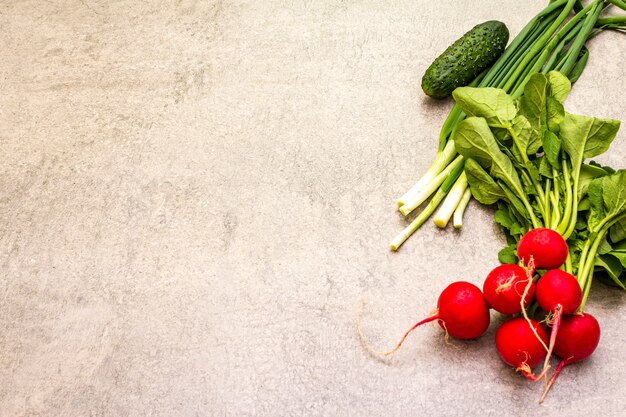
[561, 214]
[509, 142]
[553, 40]
[529, 156]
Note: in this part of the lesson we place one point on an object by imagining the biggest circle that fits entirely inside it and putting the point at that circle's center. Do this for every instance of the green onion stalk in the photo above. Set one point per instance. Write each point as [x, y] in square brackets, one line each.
[552, 40]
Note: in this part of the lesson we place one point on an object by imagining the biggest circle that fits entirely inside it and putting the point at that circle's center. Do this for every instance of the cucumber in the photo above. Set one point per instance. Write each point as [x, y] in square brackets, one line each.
[458, 65]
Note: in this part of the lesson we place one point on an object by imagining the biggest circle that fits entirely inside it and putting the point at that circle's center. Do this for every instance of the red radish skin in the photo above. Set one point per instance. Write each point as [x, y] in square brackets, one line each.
[461, 311]
[578, 338]
[504, 287]
[545, 247]
[557, 287]
[558, 293]
[518, 345]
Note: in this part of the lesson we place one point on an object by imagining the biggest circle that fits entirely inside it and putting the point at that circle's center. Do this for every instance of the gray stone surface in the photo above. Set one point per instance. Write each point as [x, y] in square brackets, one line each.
[195, 194]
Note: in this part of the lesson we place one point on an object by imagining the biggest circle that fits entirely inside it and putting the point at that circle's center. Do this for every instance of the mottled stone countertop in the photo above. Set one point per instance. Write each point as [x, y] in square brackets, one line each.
[195, 194]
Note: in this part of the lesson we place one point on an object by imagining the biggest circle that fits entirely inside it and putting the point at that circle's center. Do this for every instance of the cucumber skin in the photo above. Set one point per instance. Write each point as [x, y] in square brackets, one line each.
[458, 65]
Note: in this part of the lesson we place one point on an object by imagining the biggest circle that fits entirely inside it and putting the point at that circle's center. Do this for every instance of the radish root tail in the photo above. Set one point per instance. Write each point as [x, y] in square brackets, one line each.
[375, 352]
[446, 338]
[530, 266]
[506, 285]
[530, 269]
[551, 382]
[556, 323]
[525, 370]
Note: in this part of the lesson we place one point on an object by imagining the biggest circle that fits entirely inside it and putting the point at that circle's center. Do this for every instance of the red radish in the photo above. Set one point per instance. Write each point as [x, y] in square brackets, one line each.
[558, 288]
[518, 345]
[578, 338]
[505, 286]
[545, 247]
[461, 311]
[559, 293]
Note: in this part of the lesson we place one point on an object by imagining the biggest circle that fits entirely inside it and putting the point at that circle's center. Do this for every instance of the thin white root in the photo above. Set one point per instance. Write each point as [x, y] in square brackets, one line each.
[434, 316]
[555, 328]
[529, 271]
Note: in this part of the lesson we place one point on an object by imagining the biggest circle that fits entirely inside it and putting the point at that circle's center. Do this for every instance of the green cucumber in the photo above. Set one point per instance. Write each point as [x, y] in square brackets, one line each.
[465, 59]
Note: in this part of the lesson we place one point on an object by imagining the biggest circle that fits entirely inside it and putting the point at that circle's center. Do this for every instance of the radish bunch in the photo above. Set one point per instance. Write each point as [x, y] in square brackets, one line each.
[564, 219]
[522, 341]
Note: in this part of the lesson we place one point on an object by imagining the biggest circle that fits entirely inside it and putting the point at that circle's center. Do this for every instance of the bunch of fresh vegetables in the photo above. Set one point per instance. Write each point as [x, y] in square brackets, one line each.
[548, 42]
[509, 142]
[528, 157]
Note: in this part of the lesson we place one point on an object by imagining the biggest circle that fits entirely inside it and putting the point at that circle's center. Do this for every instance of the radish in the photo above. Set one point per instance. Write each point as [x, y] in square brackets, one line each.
[461, 311]
[558, 289]
[546, 248]
[518, 344]
[578, 337]
[504, 288]
[558, 293]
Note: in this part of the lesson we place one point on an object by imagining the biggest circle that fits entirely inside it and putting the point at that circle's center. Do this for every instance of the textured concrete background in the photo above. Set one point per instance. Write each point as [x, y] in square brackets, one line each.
[195, 194]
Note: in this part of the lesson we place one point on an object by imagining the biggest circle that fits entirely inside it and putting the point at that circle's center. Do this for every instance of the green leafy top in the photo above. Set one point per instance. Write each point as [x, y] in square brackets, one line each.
[473, 139]
[492, 104]
[607, 196]
[528, 156]
[541, 102]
